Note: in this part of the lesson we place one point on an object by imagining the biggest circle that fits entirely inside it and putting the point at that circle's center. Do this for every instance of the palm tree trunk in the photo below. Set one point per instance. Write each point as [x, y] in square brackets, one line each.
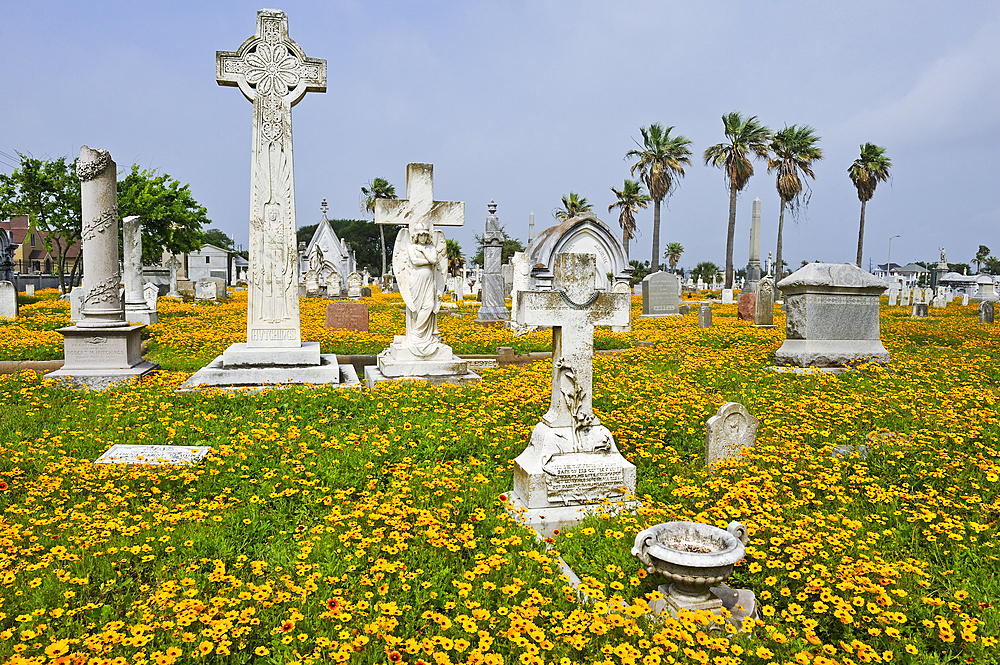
[625, 245]
[861, 233]
[729, 236]
[654, 265]
[777, 252]
[381, 235]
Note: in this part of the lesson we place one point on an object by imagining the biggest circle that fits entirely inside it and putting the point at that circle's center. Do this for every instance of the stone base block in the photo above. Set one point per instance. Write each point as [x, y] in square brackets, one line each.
[217, 375]
[102, 379]
[740, 603]
[241, 355]
[374, 375]
[546, 520]
[763, 326]
[101, 349]
[492, 314]
[656, 316]
[810, 370]
[142, 316]
[398, 362]
[830, 352]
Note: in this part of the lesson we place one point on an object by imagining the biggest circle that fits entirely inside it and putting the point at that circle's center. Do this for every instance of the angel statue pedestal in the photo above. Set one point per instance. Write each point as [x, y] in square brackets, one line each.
[420, 263]
[571, 465]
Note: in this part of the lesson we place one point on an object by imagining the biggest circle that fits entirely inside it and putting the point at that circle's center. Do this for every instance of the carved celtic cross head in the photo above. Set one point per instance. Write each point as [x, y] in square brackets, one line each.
[270, 65]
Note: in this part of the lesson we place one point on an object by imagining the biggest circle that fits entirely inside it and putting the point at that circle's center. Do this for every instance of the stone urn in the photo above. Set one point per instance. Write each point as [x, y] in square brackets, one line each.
[694, 557]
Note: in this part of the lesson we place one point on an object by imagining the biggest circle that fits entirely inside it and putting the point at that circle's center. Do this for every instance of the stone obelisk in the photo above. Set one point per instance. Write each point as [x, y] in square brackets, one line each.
[753, 265]
[493, 307]
[102, 349]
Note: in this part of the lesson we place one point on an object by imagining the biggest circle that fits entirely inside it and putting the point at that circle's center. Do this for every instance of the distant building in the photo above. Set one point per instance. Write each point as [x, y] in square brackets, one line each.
[209, 261]
[31, 257]
[909, 274]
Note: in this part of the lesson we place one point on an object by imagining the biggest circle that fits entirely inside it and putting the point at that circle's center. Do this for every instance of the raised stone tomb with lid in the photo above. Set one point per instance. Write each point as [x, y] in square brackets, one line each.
[572, 460]
[832, 318]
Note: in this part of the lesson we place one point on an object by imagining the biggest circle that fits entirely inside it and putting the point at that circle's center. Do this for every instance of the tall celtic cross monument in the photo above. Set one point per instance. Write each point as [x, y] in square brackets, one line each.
[274, 73]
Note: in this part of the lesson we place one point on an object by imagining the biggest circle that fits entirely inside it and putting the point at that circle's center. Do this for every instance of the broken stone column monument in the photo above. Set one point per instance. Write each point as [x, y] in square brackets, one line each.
[571, 462]
[102, 349]
[136, 308]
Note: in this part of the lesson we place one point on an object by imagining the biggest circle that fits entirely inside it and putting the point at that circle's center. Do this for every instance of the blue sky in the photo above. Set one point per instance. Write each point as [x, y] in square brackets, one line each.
[522, 102]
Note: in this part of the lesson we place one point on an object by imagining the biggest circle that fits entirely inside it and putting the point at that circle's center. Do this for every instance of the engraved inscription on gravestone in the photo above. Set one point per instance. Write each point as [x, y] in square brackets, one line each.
[152, 455]
[575, 483]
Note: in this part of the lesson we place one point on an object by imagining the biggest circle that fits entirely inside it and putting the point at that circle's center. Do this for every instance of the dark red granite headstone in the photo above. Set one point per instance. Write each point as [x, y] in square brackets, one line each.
[347, 316]
[748, 302]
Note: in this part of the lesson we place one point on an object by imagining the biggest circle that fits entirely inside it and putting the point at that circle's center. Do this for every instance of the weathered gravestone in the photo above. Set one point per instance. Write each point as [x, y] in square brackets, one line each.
[355, 282]
[204, 289]
[986, 311]
[705, 316]
[136, 309]
[75, 303]
[152, 455]
[763, 316]
[747, 306]
[965, 299]
[151, 294]
[347, 316]
[660, 295]
[893, 295]
[8, 299]
[919, 310]
[727, 296]
[29, 289]
[833, 317]
[904, 300]
[684, 309]
[728, 432]
[572, 460]
[366, 292]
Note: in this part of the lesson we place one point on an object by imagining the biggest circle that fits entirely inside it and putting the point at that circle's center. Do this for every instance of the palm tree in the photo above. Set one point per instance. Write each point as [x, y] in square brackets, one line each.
[866, 172]
[661, 165]
[630, 199]
[573, 205]
[455, 260]
[747, 137]
[981, 256]
[378, 188]
[794, 151]
[673, 253]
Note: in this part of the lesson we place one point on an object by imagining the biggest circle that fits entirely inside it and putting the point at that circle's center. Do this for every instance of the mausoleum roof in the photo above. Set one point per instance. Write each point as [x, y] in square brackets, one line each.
[836, 275]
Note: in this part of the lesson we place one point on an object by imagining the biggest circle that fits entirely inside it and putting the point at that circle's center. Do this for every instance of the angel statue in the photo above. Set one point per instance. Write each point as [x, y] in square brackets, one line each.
[420, 261]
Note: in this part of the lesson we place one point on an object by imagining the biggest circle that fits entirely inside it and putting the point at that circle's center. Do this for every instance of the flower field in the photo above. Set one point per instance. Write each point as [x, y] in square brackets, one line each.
[369, 526]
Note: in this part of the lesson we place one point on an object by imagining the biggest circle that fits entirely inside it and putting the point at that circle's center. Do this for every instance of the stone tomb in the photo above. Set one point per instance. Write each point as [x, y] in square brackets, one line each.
[571, 462]
[833, 317]
[8, 299]
[273, 352]
[660, 295]
[728, 432]
[347, 316]
[152, 455]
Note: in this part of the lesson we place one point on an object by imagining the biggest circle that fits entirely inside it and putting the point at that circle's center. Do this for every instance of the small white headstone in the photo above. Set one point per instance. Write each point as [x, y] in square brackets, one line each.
[152, 455]
[29, 289]
[728, 432]
[905, 297]
[354, 284]
[727, 296]
[965, 299]
[204, 289]
[8, 300]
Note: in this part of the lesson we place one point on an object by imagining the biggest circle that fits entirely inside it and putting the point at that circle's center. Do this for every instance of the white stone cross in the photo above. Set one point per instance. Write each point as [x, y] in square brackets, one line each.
[419, 204]
[572, 308]
[274, 73]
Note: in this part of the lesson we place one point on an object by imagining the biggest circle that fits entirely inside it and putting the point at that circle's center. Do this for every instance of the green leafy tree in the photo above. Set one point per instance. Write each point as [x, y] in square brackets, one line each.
[991, 265]
[48, 192]
[793, 151]
[673, 253]
[171, 218]
[746, 138]
[630, 199]
[378, 188]
[304, 234]
[507, 248]
[572, 205]
[455, 260]
[706, 270]
[981, 256]
[661, 160]
[215, 237]
[867, 171]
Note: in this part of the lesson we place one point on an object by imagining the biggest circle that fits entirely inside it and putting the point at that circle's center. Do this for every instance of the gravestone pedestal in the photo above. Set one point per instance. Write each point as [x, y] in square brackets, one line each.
[493, 308]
